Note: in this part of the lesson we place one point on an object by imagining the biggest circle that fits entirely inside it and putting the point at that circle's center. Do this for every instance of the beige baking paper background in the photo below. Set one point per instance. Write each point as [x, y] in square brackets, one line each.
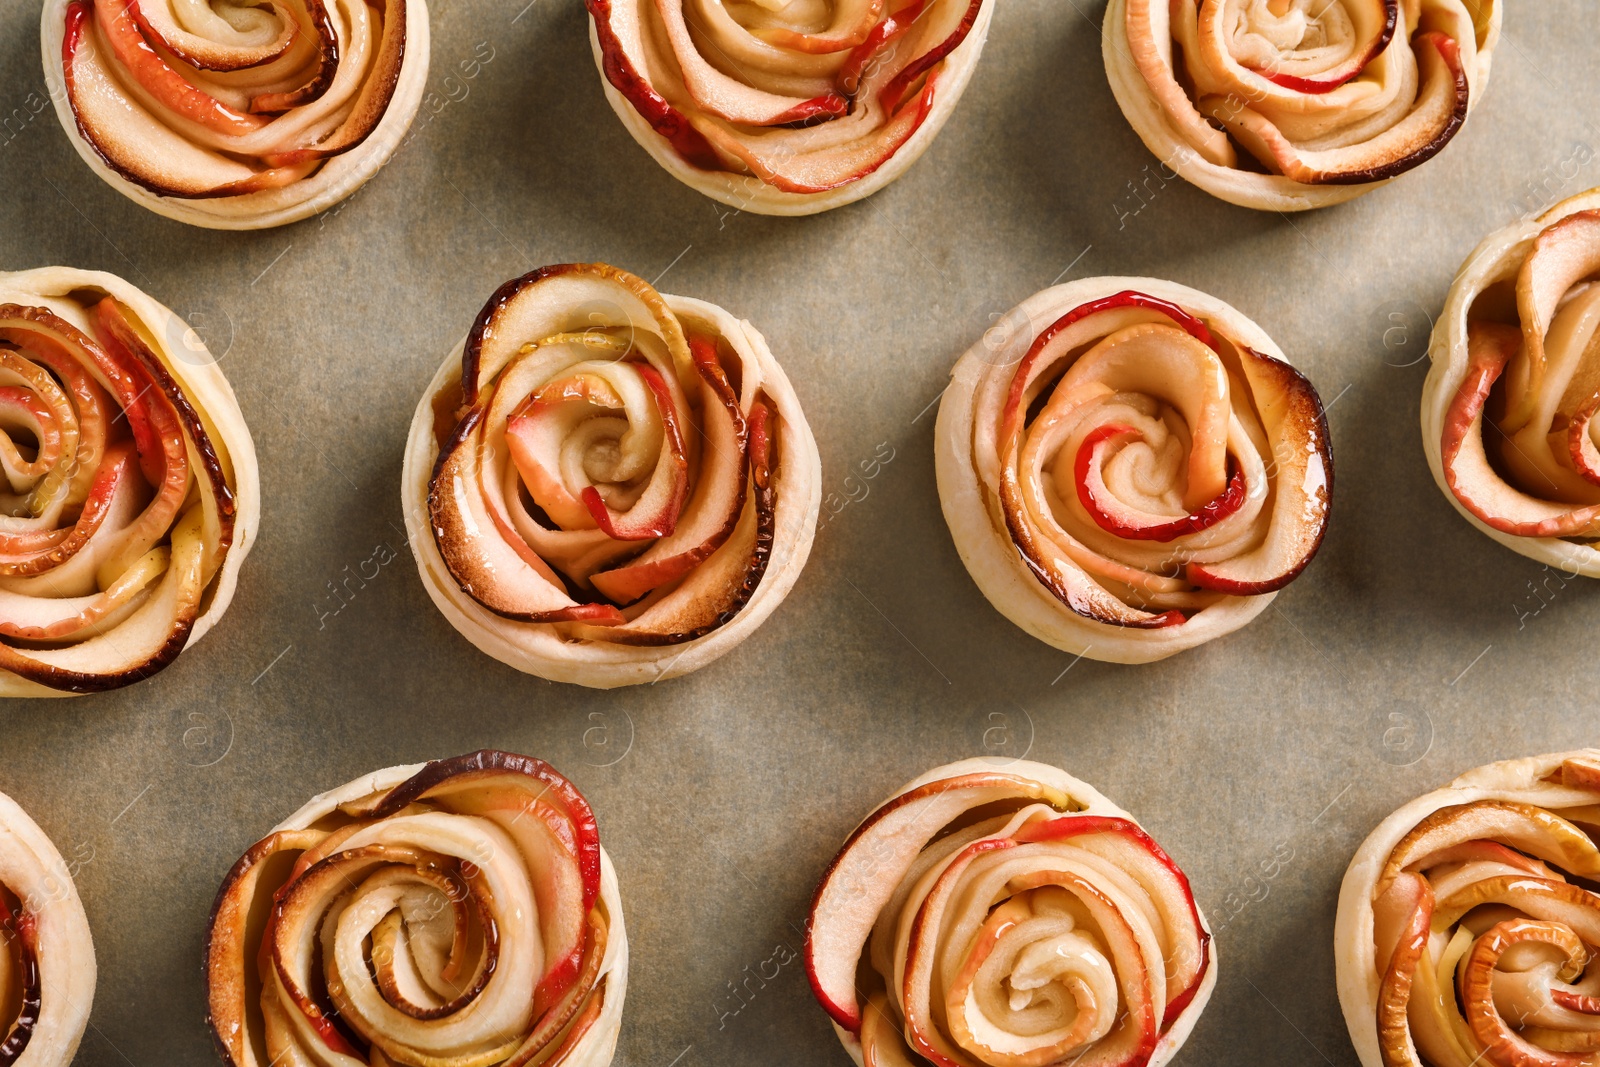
[1413, 648]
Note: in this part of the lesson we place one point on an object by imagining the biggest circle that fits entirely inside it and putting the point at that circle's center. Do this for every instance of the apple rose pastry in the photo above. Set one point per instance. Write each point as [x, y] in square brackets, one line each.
[1468, 930]
[1284, 105]
[786, 108]
[1130, 468]
[232, 115]
[1007, 918]
[458, 913]
[46, 955]
[130, 495]
[604, 485]
[1508, 410]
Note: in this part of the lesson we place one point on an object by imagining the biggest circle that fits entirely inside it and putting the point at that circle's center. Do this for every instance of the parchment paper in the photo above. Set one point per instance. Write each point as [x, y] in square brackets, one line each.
[1412, 649]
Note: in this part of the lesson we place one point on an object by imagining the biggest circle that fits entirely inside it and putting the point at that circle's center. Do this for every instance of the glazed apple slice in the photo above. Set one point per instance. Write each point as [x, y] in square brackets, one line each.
[1127, 846]
[561, 299]
[484, 565]
[57, 348]
[655, 513]
[493, 773]
[1524, 827]
[863, 876]
[1467, 471]
[715, 510]
[1440, 110]
[146, 641]
[68, 564]
[1372, 24]
[537, 430]
[852, 22]
[1149, 29]
[727, 97]
[32, 618]
[549, 841]
[269, 33]
[119, 29]
[1560, 257]
[137, 145]
[1133, 1038]
[1111, 515]
[1400, 922]
[1580, 441]
[877, 40]
[1481, 990]
[894, 93]
[1297, 430]
[621, 35]
[792, 171]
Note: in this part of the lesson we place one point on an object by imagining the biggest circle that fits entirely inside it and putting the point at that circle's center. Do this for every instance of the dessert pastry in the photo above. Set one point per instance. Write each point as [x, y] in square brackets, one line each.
[130, 495]
[235, 116]
[1468, 924]
[1508, 408]
[46, 955]
[1006, 917]
[1132, 468]
[454, 912]
[1284, 105]
[786, 109]
[604, 485]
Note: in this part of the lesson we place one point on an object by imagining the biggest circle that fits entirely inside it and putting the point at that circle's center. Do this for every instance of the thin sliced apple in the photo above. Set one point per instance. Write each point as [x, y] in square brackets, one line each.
[729, 98]
[715, 592]
[1044, 351]
[1401, 917]
[32, 618]
[1580, 441]
[1297, 430]
[892, 95]
[876, 41]
[536, 430]
[621, 44]
[1380, 32]
[1527, 828]
[490, 772]
[144, 643]
[270, 32]
[655, 513]
[714, 512]
[1112, 516]
[136, 144]
[1149, 29]
[1467, 471]
[828, 168]
[1123, 842]
[122, 342]
[323, 73]
[852, 23]
[120, 30]
[862, 877]
[484, 565]
[1477, 984]
[1569, 905]
[1440, 111]
[1562, 255]
[370, 104]
[563, 299]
